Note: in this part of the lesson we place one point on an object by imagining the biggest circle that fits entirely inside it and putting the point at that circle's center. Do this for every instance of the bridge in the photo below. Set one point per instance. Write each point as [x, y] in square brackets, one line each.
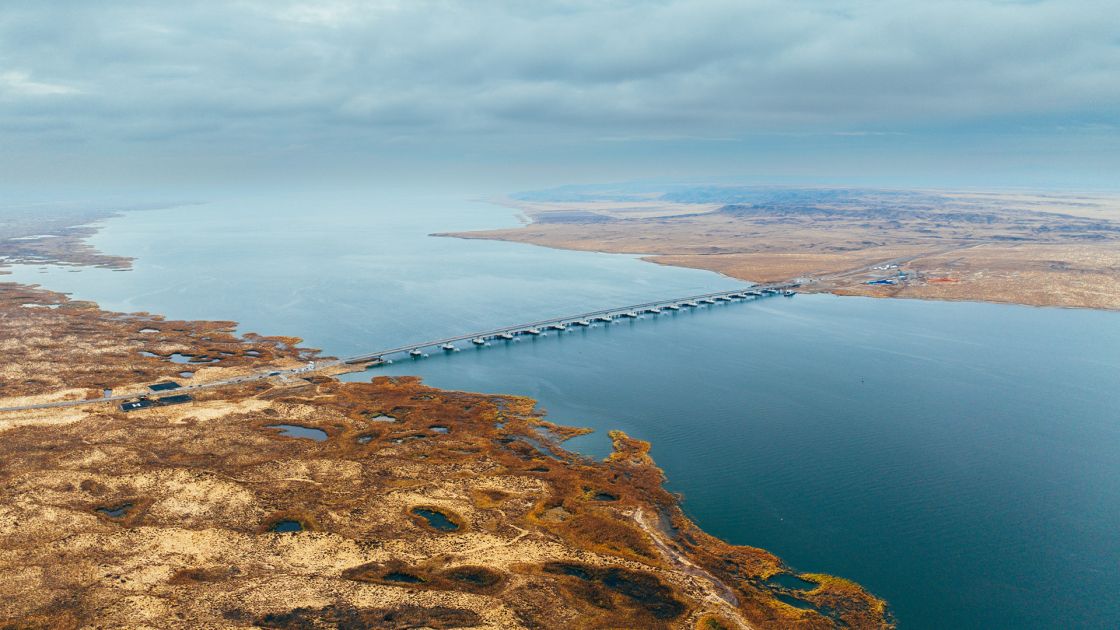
[581, 320]
[507, 333]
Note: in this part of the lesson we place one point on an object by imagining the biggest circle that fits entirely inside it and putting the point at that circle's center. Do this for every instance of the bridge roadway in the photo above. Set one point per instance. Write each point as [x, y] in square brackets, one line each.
[521, 329]
[381, 354]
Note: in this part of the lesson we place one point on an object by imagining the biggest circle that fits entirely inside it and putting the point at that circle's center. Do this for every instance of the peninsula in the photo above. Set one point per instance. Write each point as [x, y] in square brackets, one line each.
[1021, 248]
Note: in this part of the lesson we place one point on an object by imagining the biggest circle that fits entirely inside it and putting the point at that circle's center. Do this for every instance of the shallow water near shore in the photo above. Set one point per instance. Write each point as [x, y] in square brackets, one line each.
[960, 460]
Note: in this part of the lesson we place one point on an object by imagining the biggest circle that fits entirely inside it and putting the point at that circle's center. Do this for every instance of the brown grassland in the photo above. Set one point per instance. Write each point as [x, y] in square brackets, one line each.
[1042, 250]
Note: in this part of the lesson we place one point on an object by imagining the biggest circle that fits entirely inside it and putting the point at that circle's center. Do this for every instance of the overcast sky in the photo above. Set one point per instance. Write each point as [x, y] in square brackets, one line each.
[947, 92]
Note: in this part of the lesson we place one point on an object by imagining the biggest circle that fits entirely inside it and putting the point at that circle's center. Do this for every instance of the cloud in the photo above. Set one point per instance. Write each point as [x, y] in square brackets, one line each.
[287, 73]
[17, 84]
[332, 13]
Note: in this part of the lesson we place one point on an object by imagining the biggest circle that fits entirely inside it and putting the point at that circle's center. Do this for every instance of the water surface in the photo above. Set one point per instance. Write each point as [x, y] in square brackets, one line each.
[436, 519]
[297, 431]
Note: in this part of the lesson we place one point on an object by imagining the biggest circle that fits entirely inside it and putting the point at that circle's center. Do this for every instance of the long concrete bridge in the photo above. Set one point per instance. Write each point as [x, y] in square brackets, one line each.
[507, 333]
[581, 320]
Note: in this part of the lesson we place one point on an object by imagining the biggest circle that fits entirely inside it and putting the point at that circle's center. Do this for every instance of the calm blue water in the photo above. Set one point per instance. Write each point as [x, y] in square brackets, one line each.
[960, 460]
[297, 431]
[350, 274]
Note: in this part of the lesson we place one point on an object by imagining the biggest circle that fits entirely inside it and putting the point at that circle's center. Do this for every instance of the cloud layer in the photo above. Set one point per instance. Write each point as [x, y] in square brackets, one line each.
[265, 75]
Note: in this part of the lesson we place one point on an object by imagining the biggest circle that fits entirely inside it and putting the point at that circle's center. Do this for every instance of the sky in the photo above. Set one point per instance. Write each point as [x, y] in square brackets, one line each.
[968, 93]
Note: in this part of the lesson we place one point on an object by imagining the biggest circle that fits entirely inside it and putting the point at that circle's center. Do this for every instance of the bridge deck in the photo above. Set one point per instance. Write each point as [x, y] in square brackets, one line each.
[520, 328]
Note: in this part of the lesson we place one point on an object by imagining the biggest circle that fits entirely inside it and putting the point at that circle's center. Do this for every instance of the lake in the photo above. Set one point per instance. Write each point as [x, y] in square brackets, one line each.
[961, 460]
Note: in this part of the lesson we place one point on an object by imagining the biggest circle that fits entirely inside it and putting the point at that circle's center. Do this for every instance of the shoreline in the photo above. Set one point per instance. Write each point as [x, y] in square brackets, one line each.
[655, 259]
[919, 298]
[843, 251]
[680, 545]
[687, 569]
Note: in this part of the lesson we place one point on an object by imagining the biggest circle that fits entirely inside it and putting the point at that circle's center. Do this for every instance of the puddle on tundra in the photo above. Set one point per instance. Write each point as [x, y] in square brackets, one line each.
[436, 519]
[297, 431]
[791, 582]
[116, 512]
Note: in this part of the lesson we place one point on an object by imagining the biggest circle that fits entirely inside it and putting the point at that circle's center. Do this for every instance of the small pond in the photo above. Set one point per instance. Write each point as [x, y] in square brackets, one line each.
[786, 580]
[116, 512]
[795, 602]
[436, 519]
[297, 431]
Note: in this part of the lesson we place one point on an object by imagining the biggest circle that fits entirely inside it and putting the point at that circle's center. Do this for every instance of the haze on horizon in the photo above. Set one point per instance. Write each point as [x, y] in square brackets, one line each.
[988, 93]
